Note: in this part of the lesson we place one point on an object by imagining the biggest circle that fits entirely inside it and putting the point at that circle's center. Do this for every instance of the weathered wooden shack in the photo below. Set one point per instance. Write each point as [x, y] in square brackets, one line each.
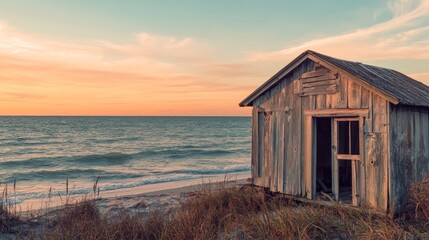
[352, 130]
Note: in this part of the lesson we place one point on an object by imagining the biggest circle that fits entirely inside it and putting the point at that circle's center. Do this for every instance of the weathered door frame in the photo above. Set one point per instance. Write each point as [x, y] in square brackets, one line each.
[356, 160]
[309, 143]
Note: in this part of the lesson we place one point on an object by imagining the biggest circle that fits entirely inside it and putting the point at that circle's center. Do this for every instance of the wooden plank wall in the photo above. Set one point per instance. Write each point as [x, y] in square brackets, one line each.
[284, 159]
[409, 149]
[287, 140]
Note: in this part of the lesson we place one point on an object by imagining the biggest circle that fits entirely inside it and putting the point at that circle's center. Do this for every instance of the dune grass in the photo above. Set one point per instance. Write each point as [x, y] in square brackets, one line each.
[244, 212]
[8, 213]
[416, 209]
[7, 219]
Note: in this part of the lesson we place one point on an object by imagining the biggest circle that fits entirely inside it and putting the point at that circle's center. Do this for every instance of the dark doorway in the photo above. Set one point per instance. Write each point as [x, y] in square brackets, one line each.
[323, 155]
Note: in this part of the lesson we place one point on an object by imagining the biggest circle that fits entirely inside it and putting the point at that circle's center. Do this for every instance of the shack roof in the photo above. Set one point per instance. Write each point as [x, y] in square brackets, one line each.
[393, 85]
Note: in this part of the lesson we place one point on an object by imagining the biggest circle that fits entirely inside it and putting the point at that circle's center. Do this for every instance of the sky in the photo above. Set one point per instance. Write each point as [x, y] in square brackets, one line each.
[188, 57]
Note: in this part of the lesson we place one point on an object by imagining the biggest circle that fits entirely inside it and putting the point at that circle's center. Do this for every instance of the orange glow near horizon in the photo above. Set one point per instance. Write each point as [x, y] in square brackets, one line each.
[39, 77]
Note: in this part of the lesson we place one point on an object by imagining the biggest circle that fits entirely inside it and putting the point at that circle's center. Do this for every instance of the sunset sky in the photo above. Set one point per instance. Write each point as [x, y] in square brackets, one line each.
[187, 57]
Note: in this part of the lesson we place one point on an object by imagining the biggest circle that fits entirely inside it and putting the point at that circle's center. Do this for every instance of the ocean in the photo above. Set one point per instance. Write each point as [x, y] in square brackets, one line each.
[40, 154]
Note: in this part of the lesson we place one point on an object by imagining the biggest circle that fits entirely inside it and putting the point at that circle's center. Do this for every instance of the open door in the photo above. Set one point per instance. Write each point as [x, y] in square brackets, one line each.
[346, 157]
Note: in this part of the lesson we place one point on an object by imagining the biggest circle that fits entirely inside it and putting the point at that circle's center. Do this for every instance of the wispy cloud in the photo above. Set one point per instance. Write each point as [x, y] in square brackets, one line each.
[19, 96]
[403, 36]
[401, 7]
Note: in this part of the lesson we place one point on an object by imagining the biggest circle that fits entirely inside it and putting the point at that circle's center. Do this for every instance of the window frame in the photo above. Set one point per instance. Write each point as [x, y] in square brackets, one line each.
[354, 157]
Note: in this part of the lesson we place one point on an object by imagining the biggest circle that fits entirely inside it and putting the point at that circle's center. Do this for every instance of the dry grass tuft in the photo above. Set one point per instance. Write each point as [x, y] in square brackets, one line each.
[7, 220]
[215, 212]
[8, 216]
[75, 222]
[416, 210]
[243, 213]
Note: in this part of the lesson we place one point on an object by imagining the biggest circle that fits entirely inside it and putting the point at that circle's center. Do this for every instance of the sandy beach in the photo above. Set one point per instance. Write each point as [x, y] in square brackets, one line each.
[138, 200]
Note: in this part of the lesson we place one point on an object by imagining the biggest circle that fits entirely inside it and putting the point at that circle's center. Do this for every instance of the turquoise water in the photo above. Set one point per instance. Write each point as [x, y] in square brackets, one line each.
[42, 152]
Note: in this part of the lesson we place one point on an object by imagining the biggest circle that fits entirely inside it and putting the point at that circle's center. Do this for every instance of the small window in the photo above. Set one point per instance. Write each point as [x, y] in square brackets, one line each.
[348, 139]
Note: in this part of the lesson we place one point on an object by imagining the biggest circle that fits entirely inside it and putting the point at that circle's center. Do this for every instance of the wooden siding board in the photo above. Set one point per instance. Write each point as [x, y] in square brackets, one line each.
[379, 114]
[354, 94]
[291, 176]
[361, 165]
[282, 103]
[267, 149]
[317, 90]
[274, 150]
[330, 99]
[369, 120]
[311, 102]
[424, 145]
[392, 165]
[254, 156]
[343, 92]
[295, 147]
[321, 101]
[258, 177]
[409, 134]
[307, 157]
[305, 104]
[414, 141]
[365, 94]
[399, 163]
[335, 185]
[317, 73]
[281, 155]
[330, 78]
[382, 172]
[354, 183]
[274, 140]
[420, 144]
[370, 171]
